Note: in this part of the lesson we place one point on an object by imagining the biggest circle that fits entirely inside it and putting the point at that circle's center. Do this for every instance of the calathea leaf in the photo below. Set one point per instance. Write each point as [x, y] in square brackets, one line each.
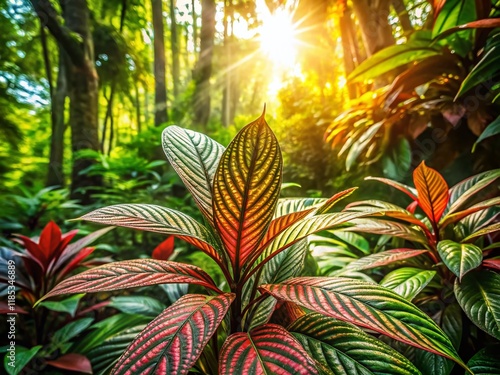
[383, 258]
[432, 191]
[408, 281]
[174, 340]
[157, 219]
[131, 274]
[344, 349]
[486, 230]
[479, 295]
[268, 349]
[452, 218]
[195, 158]
[458, 257]
[246, 189]
[367, 305]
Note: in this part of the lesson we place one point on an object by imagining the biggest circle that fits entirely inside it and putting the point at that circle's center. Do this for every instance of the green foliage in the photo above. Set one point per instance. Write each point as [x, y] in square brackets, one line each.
[258, 244]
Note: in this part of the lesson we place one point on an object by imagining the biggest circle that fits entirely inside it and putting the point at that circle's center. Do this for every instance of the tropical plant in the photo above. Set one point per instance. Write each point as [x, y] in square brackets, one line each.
[451, 270]
[45, 331]
[445, 77]
[259, 247]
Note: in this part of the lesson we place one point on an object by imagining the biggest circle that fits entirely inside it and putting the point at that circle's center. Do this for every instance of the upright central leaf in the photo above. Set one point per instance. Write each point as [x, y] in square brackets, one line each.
[246, 189]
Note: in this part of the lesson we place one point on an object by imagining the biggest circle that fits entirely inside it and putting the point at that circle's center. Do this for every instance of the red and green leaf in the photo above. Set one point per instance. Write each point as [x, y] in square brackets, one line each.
[157, 219]
[195, 158]
[131, 274]
[246, 189]
[408, 282]
[458, 257]
[481, 232]
[173, 341]
[392, 228]
[452, 218]
[432, 191]
[265, 350]
[343, 349]
[367, 305]
[383, 258]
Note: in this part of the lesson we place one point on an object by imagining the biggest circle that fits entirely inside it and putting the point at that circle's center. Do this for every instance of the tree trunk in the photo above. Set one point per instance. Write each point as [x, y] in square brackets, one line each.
[349, 46]
[83, 94]
[55, 175]
[203, 68]
[137, 107]
[195, 26]
[174, 44]
[402, 12]
[375, 28]
[161, 115]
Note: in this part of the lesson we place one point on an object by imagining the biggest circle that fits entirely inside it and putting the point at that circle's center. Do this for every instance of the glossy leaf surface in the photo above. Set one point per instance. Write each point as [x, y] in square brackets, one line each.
[407, 281]
[459, 258]
[367, 305]
[174, 340]
[246, 189]
[131, 274]
[156, 219]
[479, 296]
[269, 349]
[383, 258]
[344, 349]
[486, 361]
[432, 191]
[195, 158]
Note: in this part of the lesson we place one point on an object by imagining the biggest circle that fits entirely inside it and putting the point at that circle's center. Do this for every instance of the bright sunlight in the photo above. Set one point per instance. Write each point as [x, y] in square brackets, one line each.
[277, 39]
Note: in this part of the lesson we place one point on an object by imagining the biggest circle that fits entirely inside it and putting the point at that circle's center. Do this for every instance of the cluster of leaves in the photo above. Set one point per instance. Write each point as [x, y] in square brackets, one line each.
[258, 242]
[45, 333]
[448, 77]
[451, 271]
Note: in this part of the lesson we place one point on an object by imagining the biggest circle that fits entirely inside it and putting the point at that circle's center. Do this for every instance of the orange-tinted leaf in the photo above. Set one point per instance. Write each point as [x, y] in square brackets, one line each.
[432, 191]
[265, 350]
[164, 250]
[246, 189]
[173, 341]
[72, 362]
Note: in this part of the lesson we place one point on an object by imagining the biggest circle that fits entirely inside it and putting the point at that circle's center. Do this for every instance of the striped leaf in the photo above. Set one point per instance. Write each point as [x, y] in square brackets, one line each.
[367, 305]
[259, 313]
[469, 187]
[452, 218]
[486, 361]
[382, 259]
[378, 226]
[408, 190]
[344, 349]
[479, 295]
[459, 258]
[268, 349]
[407, 281]
[132, 274]
[246, 189]
[172, 343]
[432, 191]
[195, 158]
[486, 230]
[157, 219]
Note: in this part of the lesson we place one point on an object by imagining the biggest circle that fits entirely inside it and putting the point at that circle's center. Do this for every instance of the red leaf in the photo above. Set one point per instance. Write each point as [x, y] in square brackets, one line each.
[492, 263]
[5, 309]
[72, 362]
[34, 250]
[131, 274]
[267, 349]
[432, 191]
[412, 207]
[164, 250]
[173, 341]
[50, 239]
[75, 262]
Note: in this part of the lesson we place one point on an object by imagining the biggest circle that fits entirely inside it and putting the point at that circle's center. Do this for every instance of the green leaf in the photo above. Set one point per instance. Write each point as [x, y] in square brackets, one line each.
[265, 350]
[486, 230]
[152, 218]
[383, 258]
[479, 295]
[195, 158]
[68, 305]
[22, 357]
[132, 274]
[452, 218]
[137, 305]
[246, 190]
[492, 129]
[175, 339]
[486, 361]
[386, 227]
[343, 349]
[485, 69]
[367, 305]
[70, 330]
[259, 313]
[390, 58]
[407, 281]
[361, 144]
[459, 258]
[397, 163]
